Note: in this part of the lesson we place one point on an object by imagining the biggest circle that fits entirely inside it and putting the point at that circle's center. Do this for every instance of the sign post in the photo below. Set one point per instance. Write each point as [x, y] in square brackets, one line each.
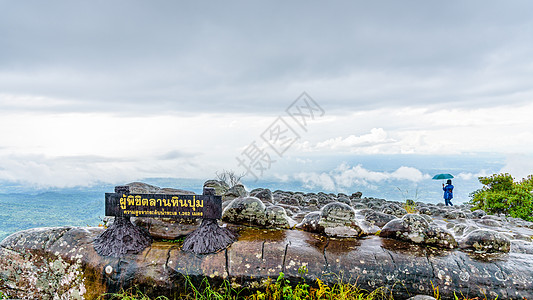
[123, 237]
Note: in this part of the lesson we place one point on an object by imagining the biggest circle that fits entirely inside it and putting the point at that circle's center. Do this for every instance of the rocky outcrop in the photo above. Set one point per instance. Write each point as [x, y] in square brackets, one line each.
[375, 217]
[235, 191]
[352, 237]
[484, 240]
[220, 186]
[264, 195]
[50, 263]
[252, 212]
[415, 228]
[336, 219]
[144, 188]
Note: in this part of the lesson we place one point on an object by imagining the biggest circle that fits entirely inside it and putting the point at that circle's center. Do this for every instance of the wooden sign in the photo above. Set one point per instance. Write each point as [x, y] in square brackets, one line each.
[163, 205]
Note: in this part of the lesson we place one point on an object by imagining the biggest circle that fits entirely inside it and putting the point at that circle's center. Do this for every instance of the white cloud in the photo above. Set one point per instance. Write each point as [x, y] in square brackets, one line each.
[64, 150]
[29, 102]
[412, 130]
[313, 180]
[426, 79]
[377, 136]
[409, 173]
[469, 176]
[345, 177]
[519, 166]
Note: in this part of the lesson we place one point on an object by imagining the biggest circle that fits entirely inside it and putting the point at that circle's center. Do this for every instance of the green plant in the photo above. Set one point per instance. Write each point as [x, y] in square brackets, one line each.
[410, 208]
[204, 291]
[2, 295]
[500, 194]
[130, 294]
[436, 293]
[282, 289]
[175, 241]
[409, 204]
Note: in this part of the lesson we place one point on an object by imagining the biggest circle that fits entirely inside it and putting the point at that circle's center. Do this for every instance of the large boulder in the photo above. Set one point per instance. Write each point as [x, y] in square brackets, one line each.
[252, 212]
[356, 195]
[276, 217]
[393, 209]
[375, 217]
[415, 228]
[236, 191]
[220, 186]
[485, 240]
[245, 210]
[292, 200]
[311, 223]
[338, 220]
[264, 195]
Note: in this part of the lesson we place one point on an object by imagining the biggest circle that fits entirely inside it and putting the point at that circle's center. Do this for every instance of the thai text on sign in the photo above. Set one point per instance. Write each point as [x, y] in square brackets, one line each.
[163, 205]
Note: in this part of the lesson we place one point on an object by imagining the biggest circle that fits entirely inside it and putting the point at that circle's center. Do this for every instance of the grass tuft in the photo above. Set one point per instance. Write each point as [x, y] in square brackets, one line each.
[279, 289]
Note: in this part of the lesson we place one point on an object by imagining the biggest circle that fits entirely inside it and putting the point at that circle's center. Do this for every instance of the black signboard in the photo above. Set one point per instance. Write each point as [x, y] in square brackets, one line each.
[163, 205]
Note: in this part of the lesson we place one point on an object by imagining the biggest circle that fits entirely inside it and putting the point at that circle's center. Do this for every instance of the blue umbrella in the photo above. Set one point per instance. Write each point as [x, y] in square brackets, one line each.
[442, 176]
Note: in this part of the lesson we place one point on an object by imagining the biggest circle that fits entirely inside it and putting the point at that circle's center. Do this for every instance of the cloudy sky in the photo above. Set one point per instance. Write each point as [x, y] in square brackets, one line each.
[113, 91]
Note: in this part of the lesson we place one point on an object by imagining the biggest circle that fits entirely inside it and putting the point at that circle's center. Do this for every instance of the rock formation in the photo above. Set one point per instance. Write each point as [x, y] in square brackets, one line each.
[371, 241]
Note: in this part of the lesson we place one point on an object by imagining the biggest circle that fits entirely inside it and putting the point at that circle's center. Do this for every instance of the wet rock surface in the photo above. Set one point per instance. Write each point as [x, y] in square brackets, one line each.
[368, 240]
[485, 240]
[252, 211]
[415, 228]
[338, 220]
[65, 259]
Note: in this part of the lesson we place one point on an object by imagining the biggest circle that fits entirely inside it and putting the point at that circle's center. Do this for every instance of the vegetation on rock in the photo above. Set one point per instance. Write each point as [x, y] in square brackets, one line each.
[502, 195]
[278, 289]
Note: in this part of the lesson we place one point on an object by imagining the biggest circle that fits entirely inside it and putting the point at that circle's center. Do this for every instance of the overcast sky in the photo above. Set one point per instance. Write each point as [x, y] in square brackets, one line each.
[115, 91]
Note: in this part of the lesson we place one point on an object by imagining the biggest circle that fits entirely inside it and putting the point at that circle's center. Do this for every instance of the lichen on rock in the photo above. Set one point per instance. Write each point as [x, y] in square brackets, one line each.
[252, 211]
[485, 240]
[415, 228]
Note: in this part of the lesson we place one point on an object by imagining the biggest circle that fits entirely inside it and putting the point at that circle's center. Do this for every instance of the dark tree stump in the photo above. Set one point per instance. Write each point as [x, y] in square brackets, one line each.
[208, 238]
[122, 238]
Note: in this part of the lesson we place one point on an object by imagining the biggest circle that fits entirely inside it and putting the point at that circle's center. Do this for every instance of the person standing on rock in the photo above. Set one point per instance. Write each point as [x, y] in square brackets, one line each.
[448, 192]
